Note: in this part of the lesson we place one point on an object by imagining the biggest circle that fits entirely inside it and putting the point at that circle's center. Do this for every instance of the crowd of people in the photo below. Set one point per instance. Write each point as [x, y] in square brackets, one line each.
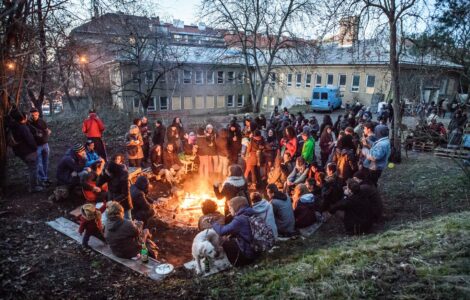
[269, 166]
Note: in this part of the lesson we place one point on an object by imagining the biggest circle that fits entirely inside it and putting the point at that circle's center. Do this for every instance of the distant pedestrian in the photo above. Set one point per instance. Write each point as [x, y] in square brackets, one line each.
[41, 135]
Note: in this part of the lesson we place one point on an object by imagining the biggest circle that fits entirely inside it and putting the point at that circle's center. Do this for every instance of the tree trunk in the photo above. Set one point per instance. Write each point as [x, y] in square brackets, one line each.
[396, 139]
[42, 59]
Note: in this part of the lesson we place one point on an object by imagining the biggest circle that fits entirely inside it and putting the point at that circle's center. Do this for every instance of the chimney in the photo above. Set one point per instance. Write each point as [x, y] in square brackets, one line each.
[201, 26]
[348, 30]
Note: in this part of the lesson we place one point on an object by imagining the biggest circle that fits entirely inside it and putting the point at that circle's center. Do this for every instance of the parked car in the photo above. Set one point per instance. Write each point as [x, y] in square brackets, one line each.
[326, 99]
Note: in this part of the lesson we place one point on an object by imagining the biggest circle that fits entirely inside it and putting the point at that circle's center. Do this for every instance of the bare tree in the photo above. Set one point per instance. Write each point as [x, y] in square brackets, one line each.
[260, 30]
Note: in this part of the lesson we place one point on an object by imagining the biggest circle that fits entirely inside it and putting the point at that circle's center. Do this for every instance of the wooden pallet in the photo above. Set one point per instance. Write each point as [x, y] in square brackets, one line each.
[70, 229]
[423, 146]
[451, 153]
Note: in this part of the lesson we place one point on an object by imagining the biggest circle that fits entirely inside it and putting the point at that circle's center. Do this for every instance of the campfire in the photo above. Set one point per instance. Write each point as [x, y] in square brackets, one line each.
[183, 209]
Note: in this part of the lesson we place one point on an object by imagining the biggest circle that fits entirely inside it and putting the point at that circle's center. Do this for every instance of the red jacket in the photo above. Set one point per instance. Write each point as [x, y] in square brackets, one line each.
[91, 226]
[291, 145]
[93, 127]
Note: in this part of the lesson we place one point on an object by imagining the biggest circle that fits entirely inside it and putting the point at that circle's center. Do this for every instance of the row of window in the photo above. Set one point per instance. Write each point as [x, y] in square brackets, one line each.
[162, 103]
[330, 80]
[211, 77]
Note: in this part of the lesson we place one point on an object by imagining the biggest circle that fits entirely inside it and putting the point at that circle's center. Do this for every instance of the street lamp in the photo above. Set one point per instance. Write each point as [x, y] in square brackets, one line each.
[83, 59]
[10, 66]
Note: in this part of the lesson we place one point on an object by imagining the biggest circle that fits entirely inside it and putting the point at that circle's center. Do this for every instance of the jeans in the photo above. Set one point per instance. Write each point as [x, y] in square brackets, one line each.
[31, 161]
[128, 215]
[43, 161]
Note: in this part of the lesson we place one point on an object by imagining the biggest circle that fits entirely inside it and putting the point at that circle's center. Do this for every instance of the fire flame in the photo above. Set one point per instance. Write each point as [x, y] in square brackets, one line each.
[194, 201]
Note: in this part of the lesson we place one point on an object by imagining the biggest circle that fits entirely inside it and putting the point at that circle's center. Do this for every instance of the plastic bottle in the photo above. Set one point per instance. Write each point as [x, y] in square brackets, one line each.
[144, 254]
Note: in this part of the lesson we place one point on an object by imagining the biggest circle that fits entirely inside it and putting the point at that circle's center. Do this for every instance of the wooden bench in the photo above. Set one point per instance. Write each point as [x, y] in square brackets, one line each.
[70, 229]
[451, 153]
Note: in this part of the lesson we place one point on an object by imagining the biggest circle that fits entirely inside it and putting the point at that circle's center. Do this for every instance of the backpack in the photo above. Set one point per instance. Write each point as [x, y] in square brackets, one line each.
[263, 237]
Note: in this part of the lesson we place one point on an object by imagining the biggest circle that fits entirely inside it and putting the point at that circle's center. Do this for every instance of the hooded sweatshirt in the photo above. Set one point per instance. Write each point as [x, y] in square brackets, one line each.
[283, 213]
[305, 211]
[142, 209]
[264, 210]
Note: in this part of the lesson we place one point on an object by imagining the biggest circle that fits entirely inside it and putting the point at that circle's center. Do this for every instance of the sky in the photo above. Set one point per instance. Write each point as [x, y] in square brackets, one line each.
[185, 10]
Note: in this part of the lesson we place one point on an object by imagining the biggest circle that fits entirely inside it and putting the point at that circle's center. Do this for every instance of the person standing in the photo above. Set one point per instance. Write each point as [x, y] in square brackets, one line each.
[93, 128]
[134, 144]
[159, 133]
[144, 131]
[26, 149]
[41, 132]
[376, 158]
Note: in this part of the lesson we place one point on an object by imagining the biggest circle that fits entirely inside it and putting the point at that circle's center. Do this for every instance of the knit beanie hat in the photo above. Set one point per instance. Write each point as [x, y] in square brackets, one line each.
[77, 148]
[88, 211]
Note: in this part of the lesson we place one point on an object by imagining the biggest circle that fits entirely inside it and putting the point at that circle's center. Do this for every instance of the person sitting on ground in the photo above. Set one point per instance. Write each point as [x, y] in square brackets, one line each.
[91, 155]
[235, 185]
[90, 222]
[88, 179]
[289, 141]
[370, 191]
[209, 215]
[358, 216]
[304, 209]
[156, 160]
[332, 190]
[116, 176]
[264, 210]
[238, 247]
[123, 236]
[313, 169]
[327, 142]
[143, 209]
[275, 175]
[298, 175]
[70, 166]
[134, 143]
[172, 163]
[282, 209]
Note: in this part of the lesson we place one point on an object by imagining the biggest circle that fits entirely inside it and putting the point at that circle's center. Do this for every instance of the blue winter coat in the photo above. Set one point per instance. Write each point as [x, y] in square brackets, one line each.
[377, 156]
[91, 158]
[239, 229]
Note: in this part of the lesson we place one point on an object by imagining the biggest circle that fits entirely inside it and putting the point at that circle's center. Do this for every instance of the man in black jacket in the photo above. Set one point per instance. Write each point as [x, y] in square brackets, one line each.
[25, 147]
[357, 207]
[159, 134]
[41, 134]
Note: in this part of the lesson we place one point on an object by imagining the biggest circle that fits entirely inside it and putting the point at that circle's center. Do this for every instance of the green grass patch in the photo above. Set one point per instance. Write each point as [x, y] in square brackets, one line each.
[425, 260]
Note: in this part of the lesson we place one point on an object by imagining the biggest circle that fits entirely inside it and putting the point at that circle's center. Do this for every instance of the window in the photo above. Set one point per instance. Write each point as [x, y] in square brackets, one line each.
[342, 80]
[230, 77]
[324, 96]
[175, 103]
[240, 100]
[318, 80]
[220, 77]
[188, 102]
[210, 77]
[163, 103]
[152, 104]
[355, 83]
[136, 102]
[186, 76]
[241, 77]
[316, 95]
[329, 79]
[272, 79]
[230, 101]
[298, 80]
[210, 101]
[199, 77]
[149, 77]
[289, 79]
[370, 81]
[308, 80]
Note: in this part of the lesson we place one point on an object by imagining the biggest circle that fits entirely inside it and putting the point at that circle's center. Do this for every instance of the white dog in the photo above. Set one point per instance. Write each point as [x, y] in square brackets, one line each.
[205, 245]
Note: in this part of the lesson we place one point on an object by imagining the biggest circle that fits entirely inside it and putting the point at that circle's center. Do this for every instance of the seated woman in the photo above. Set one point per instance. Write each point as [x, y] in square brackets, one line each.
[209, 215]
[304, 209]
[91, 191]
[237, 247]
[264, 210]
[234, 185]
[123, 236]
